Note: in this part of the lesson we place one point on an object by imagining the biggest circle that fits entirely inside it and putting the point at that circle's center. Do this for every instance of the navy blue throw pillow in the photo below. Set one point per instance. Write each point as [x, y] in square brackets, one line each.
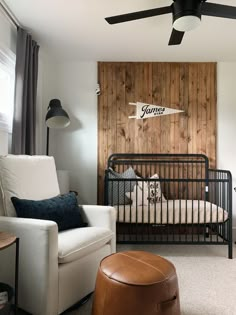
[63, 209]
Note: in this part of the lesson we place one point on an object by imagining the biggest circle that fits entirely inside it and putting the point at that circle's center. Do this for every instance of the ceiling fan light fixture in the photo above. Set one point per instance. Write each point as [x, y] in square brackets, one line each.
[186, 23]
[186, 15]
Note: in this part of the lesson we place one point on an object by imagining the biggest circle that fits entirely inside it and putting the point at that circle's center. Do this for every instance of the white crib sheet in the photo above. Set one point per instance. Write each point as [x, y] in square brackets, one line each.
[173, 212]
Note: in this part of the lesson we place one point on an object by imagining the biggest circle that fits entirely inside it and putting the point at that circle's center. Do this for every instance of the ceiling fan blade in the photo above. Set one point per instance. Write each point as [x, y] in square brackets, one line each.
[138, 15]
[176, 37]
[218, 10]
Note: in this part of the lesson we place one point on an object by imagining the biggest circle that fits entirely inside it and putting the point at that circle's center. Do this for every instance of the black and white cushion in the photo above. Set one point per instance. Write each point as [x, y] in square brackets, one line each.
[117, 189]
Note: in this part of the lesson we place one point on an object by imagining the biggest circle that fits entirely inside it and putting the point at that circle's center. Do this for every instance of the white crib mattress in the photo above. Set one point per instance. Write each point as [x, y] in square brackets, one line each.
[172, 212]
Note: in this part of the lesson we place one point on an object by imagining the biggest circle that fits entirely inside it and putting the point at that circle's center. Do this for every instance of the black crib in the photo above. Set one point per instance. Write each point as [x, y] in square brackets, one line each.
[169, 199]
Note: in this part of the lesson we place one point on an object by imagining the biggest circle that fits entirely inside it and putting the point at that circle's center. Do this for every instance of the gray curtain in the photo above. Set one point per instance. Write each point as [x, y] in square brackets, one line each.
[24, 120]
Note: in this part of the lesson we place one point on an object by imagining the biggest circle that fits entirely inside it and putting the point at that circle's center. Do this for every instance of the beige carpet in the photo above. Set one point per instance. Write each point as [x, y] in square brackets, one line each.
[207, 278]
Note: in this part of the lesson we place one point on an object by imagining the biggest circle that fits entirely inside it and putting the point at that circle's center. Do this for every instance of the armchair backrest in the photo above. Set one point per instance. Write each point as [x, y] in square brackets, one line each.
[26, 177]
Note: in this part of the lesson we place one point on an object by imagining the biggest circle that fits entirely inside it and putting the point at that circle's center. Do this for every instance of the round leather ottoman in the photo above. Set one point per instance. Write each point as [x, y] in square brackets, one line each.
[136, 283]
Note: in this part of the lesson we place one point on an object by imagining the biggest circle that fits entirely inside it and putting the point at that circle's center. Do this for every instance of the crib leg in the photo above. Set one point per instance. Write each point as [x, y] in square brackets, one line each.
[230, 250]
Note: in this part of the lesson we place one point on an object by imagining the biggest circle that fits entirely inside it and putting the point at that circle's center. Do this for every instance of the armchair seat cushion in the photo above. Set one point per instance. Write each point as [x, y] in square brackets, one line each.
[76, 243]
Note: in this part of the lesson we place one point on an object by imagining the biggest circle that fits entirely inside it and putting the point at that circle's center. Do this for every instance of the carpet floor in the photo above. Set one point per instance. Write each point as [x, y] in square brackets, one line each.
[207, 278]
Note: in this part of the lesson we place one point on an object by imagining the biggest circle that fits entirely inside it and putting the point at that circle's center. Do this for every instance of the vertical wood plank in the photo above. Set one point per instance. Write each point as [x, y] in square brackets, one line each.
[211, 131]
[138, 97]
[165, 120]
[121, 106]
[157, 100]
[102, 134]
[183, 105]
[147, 94]
[131, 110]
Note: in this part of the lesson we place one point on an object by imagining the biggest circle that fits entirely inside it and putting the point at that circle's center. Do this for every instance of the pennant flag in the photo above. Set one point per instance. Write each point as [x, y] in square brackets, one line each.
[144, 110]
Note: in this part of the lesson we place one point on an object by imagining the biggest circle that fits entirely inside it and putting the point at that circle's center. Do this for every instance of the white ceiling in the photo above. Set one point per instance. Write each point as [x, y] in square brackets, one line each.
[76, 30]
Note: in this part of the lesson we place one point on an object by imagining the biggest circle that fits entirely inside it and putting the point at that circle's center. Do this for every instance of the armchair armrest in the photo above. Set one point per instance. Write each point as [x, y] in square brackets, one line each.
[38, 262]
[102, 216]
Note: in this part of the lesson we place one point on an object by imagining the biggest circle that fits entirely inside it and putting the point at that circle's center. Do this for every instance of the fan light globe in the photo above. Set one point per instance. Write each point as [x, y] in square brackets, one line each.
[186, 23]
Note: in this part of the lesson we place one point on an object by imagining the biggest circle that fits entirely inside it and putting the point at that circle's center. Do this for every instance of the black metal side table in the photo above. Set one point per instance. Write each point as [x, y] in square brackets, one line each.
[6, 240]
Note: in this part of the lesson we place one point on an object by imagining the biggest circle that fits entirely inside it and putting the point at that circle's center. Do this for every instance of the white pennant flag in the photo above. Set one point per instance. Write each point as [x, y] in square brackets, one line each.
[144, 110]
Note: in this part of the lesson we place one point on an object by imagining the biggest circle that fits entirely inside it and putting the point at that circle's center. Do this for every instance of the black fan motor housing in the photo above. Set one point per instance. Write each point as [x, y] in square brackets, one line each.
[190, 7]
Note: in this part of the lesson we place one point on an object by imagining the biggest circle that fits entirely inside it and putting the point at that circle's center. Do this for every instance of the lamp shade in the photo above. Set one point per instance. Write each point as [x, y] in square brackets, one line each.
[56, 116]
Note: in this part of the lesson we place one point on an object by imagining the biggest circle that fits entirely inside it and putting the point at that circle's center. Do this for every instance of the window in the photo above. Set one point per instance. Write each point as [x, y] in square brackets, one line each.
[7, 82]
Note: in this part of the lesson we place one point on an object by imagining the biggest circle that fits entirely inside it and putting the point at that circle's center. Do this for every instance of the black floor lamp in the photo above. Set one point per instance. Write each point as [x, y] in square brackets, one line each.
[56, 118]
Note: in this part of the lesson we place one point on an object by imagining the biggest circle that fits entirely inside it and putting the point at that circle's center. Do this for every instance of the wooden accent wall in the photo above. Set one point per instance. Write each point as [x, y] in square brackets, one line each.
[187, 86]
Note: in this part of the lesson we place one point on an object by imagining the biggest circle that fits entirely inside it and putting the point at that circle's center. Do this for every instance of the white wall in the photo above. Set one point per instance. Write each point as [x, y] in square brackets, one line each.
[46, 90]
[226, 122]
[39, 107]
[75, 147]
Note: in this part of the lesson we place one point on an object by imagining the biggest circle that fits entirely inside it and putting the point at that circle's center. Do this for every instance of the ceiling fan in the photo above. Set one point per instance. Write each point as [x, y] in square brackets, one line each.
[186, 15]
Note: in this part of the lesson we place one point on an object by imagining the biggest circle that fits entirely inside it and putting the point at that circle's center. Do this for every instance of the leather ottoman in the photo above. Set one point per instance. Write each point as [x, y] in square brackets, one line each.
[136, 283]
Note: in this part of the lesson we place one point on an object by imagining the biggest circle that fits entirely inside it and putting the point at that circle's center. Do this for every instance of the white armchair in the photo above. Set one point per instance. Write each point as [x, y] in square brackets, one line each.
[56, 269]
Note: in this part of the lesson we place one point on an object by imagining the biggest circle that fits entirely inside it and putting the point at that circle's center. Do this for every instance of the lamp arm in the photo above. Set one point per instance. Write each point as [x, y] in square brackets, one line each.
[47, 143]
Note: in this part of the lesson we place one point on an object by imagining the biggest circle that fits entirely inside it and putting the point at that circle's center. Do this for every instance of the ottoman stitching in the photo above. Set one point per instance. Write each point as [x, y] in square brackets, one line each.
[149, 265]
[136, 284]
[141, 284]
